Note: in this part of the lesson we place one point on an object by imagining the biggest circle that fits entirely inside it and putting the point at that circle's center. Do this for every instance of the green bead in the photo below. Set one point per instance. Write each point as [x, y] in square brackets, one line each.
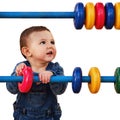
[117, 82]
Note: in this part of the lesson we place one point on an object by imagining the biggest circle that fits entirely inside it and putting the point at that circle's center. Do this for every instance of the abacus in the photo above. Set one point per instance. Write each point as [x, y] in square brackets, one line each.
[90, 15]
[100, 15]
[94, 79]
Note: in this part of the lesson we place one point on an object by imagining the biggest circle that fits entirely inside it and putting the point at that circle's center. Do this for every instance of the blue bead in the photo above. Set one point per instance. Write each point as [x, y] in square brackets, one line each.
[79, 17]
[110, 15]
[77, 80]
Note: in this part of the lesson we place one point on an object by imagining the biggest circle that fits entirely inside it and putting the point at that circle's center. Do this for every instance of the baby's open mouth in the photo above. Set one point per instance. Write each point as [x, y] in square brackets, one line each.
[49, 53]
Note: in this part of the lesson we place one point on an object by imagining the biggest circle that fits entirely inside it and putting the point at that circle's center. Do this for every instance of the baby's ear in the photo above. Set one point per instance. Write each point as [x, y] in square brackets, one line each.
[25, 51]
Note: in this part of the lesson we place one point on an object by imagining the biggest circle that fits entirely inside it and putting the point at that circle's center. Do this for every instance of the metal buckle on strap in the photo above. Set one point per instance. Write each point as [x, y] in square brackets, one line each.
[24, 111]
[48, 113]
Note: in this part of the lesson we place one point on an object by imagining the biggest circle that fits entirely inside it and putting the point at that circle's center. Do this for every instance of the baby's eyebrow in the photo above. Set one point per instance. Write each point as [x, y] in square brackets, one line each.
[47, 40]
[52, 40]
[43, 40]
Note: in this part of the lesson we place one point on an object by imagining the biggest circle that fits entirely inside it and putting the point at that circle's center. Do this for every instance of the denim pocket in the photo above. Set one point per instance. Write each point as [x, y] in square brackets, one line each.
[36, 99]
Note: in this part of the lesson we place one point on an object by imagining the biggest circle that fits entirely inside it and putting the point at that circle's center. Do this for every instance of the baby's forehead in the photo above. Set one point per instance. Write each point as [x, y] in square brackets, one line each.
[41, 35]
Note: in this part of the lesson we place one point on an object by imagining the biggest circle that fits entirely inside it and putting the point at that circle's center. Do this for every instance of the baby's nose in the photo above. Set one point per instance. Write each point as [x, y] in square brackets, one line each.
[49, 45]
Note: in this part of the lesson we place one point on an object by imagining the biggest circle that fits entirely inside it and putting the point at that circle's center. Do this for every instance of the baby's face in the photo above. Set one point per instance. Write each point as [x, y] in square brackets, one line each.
[42, 46]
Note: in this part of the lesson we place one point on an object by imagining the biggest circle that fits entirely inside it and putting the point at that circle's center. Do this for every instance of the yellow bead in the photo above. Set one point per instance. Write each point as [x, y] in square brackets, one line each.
[117, 15]
[94, 84]
[90, 15]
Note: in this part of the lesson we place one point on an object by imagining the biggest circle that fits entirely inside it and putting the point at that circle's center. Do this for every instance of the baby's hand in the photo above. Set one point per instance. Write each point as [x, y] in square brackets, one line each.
[45, 76]
[19, 69]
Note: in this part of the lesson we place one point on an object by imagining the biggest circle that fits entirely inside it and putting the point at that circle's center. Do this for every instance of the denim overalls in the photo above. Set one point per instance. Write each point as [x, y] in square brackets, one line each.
[40, 103]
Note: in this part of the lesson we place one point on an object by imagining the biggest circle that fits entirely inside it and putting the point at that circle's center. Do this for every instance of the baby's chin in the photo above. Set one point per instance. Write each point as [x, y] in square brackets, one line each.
[48, 60]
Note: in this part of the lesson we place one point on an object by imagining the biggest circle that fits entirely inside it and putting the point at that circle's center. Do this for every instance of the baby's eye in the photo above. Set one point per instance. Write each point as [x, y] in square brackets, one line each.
[53, 42]
[42, 42]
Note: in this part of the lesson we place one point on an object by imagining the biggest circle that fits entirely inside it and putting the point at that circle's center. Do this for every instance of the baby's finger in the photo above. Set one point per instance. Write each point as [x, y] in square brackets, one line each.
[46, 79]
[43, 78]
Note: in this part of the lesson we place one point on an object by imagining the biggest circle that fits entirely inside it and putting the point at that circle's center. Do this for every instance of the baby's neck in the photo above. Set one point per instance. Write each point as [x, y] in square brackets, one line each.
[38, 67]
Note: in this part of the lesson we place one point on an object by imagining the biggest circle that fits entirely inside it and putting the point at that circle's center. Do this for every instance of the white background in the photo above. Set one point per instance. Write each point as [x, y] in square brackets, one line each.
[84, 48]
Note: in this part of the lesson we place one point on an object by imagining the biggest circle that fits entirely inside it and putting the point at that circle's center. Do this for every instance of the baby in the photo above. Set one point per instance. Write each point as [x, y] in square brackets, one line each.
[37, 45]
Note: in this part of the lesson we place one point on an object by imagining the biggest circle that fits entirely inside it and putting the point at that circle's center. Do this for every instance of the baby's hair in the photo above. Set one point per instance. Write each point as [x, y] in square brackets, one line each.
[25, 34]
